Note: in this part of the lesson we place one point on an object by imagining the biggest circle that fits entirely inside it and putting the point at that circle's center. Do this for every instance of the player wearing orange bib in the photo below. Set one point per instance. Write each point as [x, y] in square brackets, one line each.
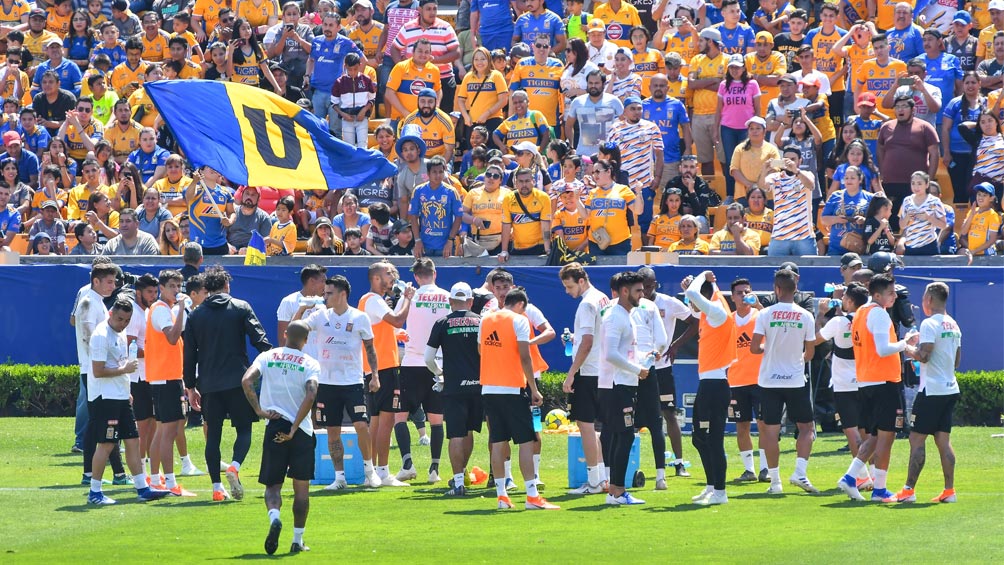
[743, 377]
[877, 365]
[716, 353]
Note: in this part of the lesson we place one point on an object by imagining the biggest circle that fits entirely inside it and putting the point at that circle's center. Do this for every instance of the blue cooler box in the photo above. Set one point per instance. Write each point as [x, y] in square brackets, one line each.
[324, 470]
[577, 475]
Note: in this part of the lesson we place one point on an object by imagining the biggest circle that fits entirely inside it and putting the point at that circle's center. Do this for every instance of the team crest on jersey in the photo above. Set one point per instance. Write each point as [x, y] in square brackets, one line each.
[417, 86]
[338, 325]
[348, 327]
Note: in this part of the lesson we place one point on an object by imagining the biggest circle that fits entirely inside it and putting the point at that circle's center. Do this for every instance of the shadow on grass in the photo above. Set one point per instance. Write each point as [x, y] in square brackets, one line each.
[682, 507]
[254, 556]
[481, 512]
[71, 486]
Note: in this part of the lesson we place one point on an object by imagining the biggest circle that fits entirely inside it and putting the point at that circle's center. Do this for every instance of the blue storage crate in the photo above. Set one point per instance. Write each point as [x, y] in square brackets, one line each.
[324, 470]
[577, 475]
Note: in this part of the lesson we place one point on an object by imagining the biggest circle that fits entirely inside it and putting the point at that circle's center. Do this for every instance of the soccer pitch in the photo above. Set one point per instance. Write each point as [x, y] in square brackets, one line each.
[44, 517]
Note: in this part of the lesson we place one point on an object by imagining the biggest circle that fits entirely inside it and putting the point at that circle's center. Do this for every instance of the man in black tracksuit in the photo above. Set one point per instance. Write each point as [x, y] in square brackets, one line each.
[215, 360]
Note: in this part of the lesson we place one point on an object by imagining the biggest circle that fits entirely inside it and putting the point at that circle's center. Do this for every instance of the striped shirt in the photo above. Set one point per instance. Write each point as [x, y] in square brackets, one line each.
[792, 207]
[638, 144]
[396, 18]
[990, 157]
[440, 35]
[918, 231]
[627, 86]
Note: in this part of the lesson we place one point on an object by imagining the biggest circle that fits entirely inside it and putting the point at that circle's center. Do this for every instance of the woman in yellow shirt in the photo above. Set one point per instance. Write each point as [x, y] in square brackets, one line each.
[665, 228]
[262, 14]
[102, 218]
[647, 61]
[607, 206]
[759, 217]
[245, 58]
[483, 93]
[689, 243]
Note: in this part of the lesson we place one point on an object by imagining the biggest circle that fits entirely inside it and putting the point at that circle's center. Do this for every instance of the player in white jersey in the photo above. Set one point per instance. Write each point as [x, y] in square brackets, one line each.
[650, 336]
[939, 353]
[620, 372]
[429, 304]
[288, 390]
[139, 388]
[785, 335]
[843, 374]
[670, 310]
[581, 384]
[342, 334]
[311, 293]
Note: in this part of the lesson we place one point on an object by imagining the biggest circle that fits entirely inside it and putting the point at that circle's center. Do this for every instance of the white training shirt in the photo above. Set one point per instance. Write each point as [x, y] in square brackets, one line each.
[287, 309]
[522, 328]
[137, 327]
[429, 304]
[89, 312]
[785, 327]
[670, 310]
[843, 374]
[937, 376]
[284, 375]
[340, 343]
[650, 333]
[618, 363]
[111, 347]
[587, 321]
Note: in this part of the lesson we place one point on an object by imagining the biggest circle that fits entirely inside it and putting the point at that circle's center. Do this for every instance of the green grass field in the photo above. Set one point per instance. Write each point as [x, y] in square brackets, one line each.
[44, 518]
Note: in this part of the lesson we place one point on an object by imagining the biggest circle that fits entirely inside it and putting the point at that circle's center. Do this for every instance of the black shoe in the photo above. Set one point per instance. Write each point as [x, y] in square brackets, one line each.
[844, 449]
[681, 471]
[747, 477]
[272, 539]
[298, 547]
[490, 483]
[762, 477]
[456, 491]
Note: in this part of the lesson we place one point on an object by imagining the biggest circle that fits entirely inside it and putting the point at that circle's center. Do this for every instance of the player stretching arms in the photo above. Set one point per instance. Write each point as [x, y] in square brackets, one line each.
[743, 377]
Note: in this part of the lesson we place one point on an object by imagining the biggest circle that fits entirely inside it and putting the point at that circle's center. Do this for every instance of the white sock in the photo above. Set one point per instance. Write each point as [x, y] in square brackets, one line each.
[709, 488]
[88, 475]
[775, 476]
[339, 475]
[863, 473]
[856, 467]
[500, 487]
[763, 460]
[718, 492]
[169, 481]
[139, 481]
[458, 480]
[531, 489]
[186, 460]
[217, 487]
[273, 515]
[536, 466]
[593, 476]
[800, 466]
[660, 474]
[508, 469]
[382, 471]
[95, 485]
[235, 465]
[880, 478]
[298, 535]
[747, 457]
[367, 467]
[871, 470]
[606, 474]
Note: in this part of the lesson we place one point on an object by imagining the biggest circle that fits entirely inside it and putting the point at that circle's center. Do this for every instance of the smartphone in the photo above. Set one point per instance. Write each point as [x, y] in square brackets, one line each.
[777, 163]
[676, 22]
[904, 81]
[290, 27]
[794, 113]
[488, 223]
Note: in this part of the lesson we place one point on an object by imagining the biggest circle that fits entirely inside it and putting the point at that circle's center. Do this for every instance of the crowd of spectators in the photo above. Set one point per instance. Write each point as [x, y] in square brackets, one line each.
[727, 127]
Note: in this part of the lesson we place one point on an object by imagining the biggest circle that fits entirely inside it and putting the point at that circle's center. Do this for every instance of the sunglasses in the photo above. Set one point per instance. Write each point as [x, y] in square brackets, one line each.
[87, 110]
[542, 46]
[520, 153]
[493, 175]
[568, 49]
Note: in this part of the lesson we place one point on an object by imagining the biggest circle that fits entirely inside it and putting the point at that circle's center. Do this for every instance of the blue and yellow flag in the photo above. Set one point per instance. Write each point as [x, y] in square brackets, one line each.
[255, 254]
[256, 138]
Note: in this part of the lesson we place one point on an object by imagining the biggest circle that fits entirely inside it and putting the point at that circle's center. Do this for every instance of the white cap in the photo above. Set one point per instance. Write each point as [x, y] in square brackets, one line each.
[996, 5]
[532, 148]
[461, 291]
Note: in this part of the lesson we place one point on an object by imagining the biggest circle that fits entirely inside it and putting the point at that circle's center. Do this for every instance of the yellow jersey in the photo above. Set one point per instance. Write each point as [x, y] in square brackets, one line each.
[123, 142]
[192, 70]
[122, 75]
[877, 79]
[257, 15]
[607, 209]
[664, 230]
[702, 67]
[723, 240]
[490, 89]
[407, 80]
[437, 133]
[828, 61]
[76, 204]
[74, 141]
[620, 23]
[59, 25]
[286, 234]
[155, 50]
[685, 46]
[886, 12]
[979, 10]
[762, 223]
[150, 113]
[678, 89]
[36, 45]
[209, 11]
[529, 128]
[647, 64]
[984, 44]
[487, 206]
[774, 65]
[856, 56]
[982, 225]
[370, 39]
[821, 118]
[574, 226]
[696, 247]
[526, 228]
[542, 83]
[10, 83]
[40, 197]
[12, 17]
[172, 191]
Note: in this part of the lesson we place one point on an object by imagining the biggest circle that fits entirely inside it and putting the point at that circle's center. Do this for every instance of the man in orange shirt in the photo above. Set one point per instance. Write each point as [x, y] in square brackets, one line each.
[877, 364]
[743, 377]
[506, 369]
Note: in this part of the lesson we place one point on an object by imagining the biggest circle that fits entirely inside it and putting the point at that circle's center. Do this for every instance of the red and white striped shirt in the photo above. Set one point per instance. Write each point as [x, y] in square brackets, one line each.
[440, 35]
[396, 18]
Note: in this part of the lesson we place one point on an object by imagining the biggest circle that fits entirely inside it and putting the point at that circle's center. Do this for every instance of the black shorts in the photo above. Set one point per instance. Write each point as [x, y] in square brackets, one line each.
[231, 403]
[648, 411]
[509, 418]
[848, 409]
[169, 398]
[463, 413]
[416, 390]
[745, 405]
[111, 420]
[584, 401]
[388, 398]
[620, 408]
[667, 388]
[933, 414]
[880, 408]
[293, 458]
[142, 400]
[774, 400]
[335, 400]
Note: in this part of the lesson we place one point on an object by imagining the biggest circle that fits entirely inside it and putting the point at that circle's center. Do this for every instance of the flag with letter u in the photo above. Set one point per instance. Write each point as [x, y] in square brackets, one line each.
[257, 138]
[255, 254]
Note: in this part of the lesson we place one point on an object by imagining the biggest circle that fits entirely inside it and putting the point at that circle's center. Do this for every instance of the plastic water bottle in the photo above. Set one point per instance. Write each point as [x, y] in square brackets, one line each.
[399, 286]
[649, 360]
[133, 351]
[188, 304]
[829, 287]
[686, 300]
[566, 337]
[834, 303]
[535, 414]
[750, 299]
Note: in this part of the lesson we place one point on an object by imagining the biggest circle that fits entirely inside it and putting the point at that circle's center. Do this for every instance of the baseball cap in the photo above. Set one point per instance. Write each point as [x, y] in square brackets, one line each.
[11, 137]
[631, 100]
[850, 260]
[50, 204]
[401, 226]
[996, 5]
[427, 93]
[933, 32]
[962, 17]
[713, 34]
[568, 187]
[866, 99]
[322, 221]
[812, 80]
[526, 146]
[756, 120]
[596, 24]
[53, 41]
[982, 187]
[461, 291]
[736, 60]
[520, 50]
[37, 13]
[364, 4]
[788, 266]
[41, 235]
[787, 78]
[765, 37]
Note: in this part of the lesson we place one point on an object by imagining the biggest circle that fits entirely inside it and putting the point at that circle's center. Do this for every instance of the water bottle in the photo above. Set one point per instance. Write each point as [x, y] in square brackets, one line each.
[535, 414]
[750, 299]
[311, 301]
[649, 361]
[188, 304]
[566, 337]
[834, 303]
[916, 367]
[829, 287]
[133, 350]
[399, 286]
[686, 300]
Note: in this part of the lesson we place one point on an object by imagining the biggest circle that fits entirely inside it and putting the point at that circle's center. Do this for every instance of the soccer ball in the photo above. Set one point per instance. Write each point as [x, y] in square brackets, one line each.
[555, 419]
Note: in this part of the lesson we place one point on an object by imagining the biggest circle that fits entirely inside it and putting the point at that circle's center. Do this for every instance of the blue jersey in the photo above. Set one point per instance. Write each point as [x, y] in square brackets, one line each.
[69, 76]
[147, 163]
[329, 60]
[942, 72]
[668, 115]
[496, 18]
[869, 132]
[436, 210]
[737, 40]
[905, 44]
[78, 48]
[206, 224]
[36, 142]
[117, 54]
[843, 205]
[868, 174]
[714, 15]
[10, 220]
[529, 26]
[953, 110]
